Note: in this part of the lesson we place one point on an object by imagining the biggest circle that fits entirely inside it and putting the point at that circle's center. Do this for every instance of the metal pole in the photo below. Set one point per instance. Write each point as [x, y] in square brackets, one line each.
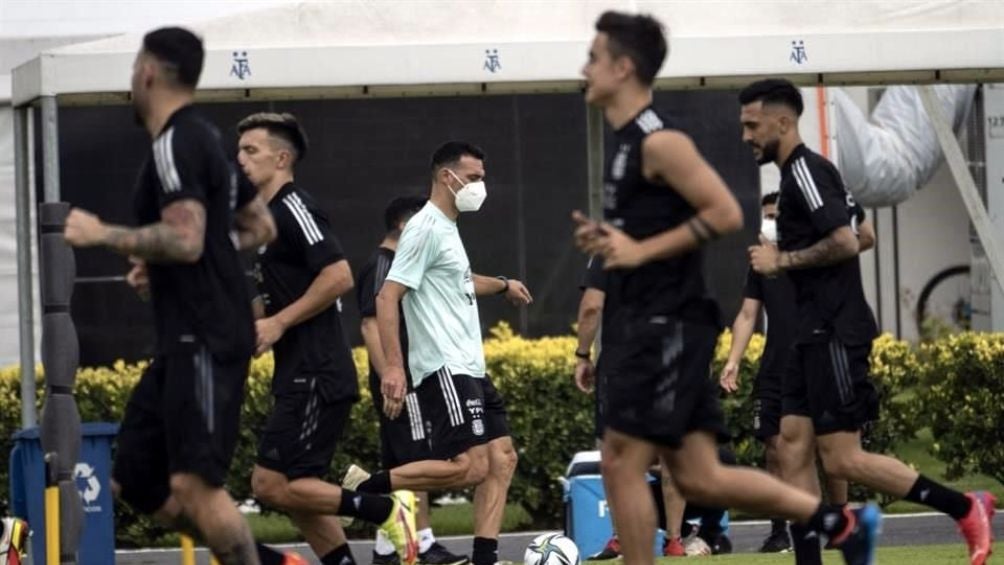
[964, 182]
[50, 148]
[25, 286]
[594, 160]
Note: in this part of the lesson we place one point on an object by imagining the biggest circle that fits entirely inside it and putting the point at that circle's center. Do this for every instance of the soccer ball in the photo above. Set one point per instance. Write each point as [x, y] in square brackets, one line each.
[551, 549]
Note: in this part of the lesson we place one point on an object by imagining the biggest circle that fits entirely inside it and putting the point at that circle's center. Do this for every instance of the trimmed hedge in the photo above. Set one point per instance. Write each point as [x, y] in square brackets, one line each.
[962, 399]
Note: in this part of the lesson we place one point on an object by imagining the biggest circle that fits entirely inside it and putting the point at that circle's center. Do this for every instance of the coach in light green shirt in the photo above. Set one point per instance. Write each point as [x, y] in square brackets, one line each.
[441, 306]
[462, 411]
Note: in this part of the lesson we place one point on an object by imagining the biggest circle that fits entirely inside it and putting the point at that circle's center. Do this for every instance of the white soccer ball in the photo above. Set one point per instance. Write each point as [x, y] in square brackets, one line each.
[694, 546]
[551, 549]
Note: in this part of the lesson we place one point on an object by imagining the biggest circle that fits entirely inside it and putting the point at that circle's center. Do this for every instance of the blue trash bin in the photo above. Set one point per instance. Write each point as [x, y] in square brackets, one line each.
[587, 516]
[93, 477]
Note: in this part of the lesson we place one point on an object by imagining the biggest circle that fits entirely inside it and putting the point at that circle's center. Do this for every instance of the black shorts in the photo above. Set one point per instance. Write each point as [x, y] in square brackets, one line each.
[460, 412]
[767, 405]
[403, 439]
[828, 382]
[300, 435]
[658, 381]
[182, 417]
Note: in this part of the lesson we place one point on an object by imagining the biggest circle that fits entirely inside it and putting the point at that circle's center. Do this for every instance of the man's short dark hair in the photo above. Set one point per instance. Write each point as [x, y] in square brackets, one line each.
[179, 50]
[773, 91]
[637, 37]
[283, 126]
[770, 198]
[402, 208]
[450, 153]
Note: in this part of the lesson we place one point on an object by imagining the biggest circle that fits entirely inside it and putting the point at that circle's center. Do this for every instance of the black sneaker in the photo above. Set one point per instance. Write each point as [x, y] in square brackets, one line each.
[612, 550]
[721, 545]
[439, 555]
[858, 545]
[392, 559]
[776, 542]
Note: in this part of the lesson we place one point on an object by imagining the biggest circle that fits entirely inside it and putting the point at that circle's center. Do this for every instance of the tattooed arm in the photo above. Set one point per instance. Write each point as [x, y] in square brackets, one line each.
[178, 237]
[255, 225]
[839, 245]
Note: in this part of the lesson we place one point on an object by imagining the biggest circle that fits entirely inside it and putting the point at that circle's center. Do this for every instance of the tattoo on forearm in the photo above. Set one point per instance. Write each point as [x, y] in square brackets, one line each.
[177, 237]
[826, 251]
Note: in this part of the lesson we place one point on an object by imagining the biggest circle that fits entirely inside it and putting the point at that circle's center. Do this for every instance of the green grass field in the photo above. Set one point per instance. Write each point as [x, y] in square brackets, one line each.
[458, 519]
[914, 555]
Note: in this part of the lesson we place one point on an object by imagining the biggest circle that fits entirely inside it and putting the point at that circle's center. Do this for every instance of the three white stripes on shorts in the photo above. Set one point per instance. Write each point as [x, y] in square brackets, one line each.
[450, 397]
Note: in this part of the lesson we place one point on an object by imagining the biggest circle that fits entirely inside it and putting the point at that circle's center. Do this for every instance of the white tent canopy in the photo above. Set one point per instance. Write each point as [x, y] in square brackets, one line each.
[373, 47]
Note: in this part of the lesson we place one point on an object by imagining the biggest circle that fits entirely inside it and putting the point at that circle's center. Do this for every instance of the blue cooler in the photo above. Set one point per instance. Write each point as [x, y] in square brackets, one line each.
[587, 517]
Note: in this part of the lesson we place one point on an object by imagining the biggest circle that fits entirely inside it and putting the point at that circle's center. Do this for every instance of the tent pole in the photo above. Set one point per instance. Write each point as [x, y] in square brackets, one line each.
[25, 288]
[965, 183]
[50, 148]
[594, 160]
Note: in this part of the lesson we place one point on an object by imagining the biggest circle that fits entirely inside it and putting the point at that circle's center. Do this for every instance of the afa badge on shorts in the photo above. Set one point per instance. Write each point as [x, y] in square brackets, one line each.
[478, 427]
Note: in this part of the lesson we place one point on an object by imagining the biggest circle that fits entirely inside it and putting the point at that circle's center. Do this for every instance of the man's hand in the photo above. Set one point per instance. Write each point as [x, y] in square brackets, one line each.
[765, 258]
[518, 294]
[618, 249]
[269, 330]
[138, 277]
[585, 375]
[393, 388]
[729, 379]
[83, 229]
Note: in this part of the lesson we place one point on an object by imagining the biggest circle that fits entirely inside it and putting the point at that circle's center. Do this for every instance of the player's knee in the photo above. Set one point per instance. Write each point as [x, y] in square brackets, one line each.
[504, 460]
[187, 488]
[477, 468]
[842, 465]
[267, 490]
[694, 484]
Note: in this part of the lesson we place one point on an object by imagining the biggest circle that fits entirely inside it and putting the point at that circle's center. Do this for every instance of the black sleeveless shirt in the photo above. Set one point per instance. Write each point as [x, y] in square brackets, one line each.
[662, 289]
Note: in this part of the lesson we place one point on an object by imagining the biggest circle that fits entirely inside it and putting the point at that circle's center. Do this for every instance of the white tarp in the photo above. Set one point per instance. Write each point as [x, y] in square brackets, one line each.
[508, 44]
[884, 159]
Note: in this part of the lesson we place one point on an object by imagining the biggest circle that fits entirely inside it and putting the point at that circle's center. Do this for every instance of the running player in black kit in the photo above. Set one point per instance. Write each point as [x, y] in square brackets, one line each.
[182, 421]
[301, 277]
[661, 202]
[827, 395]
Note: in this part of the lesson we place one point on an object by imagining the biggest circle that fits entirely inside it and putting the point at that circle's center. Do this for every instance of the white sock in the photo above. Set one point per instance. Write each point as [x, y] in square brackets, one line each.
[383, 544]
[425, 540]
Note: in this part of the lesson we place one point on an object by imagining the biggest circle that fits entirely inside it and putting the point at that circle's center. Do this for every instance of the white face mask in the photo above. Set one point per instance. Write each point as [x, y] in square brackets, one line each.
[768, 227]
[469, 197]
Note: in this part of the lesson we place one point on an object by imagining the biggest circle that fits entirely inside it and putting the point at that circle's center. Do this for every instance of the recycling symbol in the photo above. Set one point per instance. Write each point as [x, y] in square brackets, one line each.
[87, 483]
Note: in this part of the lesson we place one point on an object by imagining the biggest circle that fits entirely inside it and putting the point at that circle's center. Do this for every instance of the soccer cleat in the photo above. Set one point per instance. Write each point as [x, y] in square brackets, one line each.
[858, 541]
[392, 559]
[400, 526]
[354, 476]
[673, 548]
[776, 542]
[720, 545]
[612, 550]
[437, 554]
[976, 527]
[13, 541]
[293, 558]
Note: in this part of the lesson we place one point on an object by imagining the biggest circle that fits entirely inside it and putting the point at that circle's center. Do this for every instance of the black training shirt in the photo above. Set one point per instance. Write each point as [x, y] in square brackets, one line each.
[671, 287]
[368, 284]
[813, 202]
[316, 349]
[206, 301]
[777, 295]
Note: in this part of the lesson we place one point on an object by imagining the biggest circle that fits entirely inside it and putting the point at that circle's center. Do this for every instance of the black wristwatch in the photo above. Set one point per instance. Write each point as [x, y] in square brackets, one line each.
[584, 355]
[505, 289]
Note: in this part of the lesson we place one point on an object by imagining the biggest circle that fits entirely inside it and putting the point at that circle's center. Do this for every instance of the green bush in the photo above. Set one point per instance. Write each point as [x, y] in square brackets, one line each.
[962, 400]
[551, 420]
